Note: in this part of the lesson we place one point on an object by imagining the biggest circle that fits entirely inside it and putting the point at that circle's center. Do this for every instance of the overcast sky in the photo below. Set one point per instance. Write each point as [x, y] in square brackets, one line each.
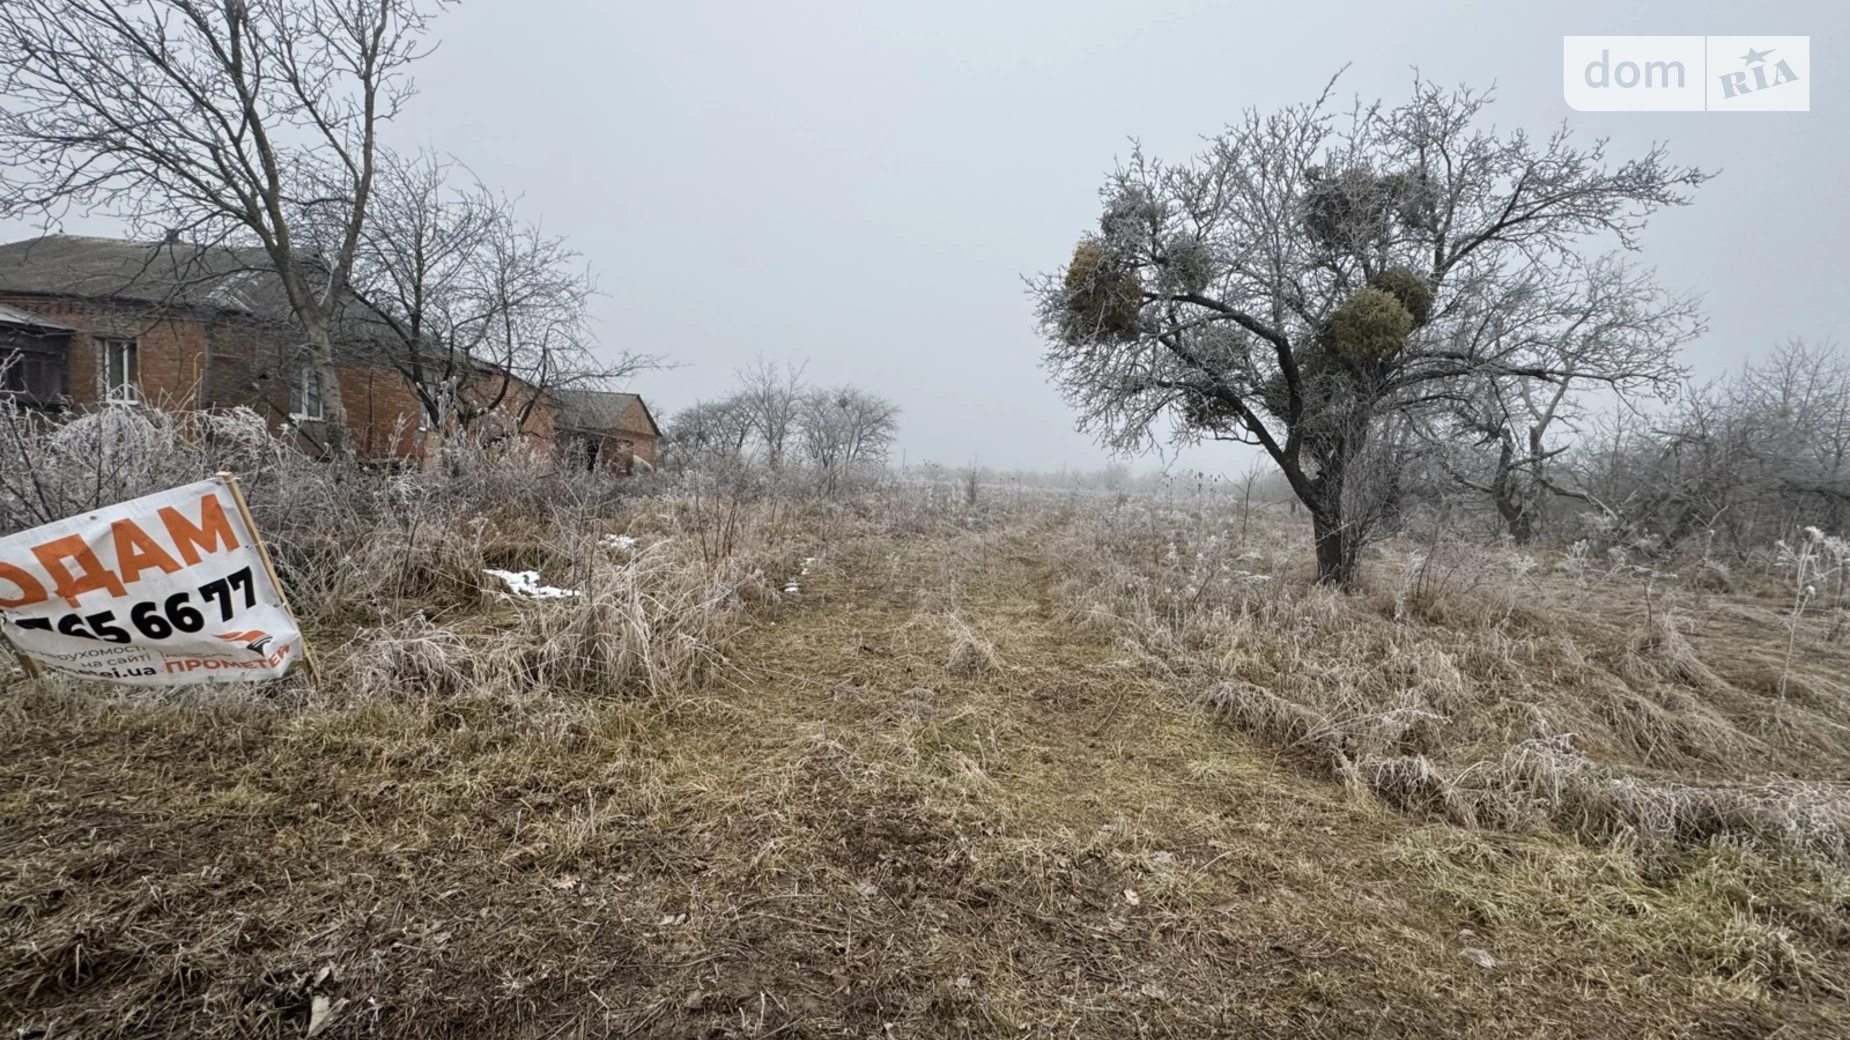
[864, 184]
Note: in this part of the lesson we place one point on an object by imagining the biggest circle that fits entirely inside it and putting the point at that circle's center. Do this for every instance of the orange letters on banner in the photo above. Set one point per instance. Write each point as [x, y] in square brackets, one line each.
[95, 576]
[31, 590]
[136, 552]
[181, 546]
[212, 530]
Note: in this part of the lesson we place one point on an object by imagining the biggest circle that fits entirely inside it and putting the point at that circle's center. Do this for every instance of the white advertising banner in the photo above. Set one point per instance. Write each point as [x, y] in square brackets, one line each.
[166, 590]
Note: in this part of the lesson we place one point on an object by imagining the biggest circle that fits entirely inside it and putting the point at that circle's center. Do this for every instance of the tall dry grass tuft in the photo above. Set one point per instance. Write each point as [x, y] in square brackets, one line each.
[971, 655]
[413, 659]
[1689, 734]
[1482, 685]
[653, 623]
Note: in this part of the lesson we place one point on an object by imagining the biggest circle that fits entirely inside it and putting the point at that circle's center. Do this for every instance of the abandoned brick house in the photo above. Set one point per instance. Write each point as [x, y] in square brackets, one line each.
[599, 428]
[92, 322]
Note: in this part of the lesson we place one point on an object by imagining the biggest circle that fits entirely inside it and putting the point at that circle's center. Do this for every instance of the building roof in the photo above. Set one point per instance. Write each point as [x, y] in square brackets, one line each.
[160, 272]
[599, 411]
[27, 319]
[169, 274]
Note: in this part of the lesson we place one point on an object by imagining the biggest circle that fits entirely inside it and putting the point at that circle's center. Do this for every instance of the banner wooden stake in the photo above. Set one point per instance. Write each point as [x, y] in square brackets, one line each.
[30, 666]
[263, 553]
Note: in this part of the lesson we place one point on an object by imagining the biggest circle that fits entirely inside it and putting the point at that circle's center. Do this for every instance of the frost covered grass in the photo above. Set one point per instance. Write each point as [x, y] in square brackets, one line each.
[1461, 650]
[1636, 704]
[492, 575]
[958, 784]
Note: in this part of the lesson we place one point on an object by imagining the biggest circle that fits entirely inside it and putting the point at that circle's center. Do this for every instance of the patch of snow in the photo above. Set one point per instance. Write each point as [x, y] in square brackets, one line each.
[527, 583]
[620, 542]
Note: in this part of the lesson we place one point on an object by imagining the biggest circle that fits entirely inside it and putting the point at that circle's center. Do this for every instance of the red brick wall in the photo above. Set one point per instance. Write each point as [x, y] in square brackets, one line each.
[613, 450]
[248, 364]
[635, 426]
[537, 428]
[633, 435]
[169, 350]
[382, 411]
[193, 359]
[541, 425]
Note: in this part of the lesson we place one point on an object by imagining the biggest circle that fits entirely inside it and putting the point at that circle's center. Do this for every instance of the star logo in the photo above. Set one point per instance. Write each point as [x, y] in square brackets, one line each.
[1754, 57]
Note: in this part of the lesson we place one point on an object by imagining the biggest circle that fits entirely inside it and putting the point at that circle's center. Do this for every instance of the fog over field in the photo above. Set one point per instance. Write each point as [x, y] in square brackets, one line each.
[864, 185]
[856, 183]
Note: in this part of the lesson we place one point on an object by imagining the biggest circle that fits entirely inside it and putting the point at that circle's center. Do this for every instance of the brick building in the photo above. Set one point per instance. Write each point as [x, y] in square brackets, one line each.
[600, 429]
[86, 322]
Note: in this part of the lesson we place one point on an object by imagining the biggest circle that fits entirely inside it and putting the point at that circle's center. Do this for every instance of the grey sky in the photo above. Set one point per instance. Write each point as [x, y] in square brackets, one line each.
[864, 183]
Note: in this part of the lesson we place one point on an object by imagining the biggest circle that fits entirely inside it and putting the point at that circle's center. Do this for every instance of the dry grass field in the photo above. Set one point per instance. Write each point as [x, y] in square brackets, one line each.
[1046, 766]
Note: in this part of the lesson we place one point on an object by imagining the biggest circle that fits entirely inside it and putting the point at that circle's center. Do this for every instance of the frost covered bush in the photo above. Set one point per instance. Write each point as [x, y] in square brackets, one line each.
[51, 469]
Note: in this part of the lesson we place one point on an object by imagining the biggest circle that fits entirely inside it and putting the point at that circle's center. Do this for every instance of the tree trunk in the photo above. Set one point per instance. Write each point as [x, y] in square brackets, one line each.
[431, 450]
[1338, 549]
[1519, 510]
[1517, 496]
[1522, 527]
[335, 433]
[436, 414]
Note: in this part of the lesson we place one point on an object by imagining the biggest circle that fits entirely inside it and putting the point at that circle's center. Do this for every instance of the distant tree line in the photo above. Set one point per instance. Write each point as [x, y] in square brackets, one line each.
[775, 419]
[1754, 456]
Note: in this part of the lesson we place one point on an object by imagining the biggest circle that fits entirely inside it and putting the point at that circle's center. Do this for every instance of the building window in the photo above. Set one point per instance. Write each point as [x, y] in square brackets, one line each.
[305, 394]
[32, 375]
[122, 371]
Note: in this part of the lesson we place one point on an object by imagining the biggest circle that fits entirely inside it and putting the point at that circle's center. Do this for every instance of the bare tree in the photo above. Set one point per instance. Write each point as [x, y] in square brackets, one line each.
[1752, 457]
[707, 432]
[843, 429]
[835, 430]
[1798, 401]
[211, 120]
[1663, 478]
[1602, 316]
[1303, 279]
[772, 398]
[482, 313]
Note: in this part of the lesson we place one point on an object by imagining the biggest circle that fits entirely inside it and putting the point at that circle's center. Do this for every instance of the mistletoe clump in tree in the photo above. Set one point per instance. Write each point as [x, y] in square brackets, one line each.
[1254, 295]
